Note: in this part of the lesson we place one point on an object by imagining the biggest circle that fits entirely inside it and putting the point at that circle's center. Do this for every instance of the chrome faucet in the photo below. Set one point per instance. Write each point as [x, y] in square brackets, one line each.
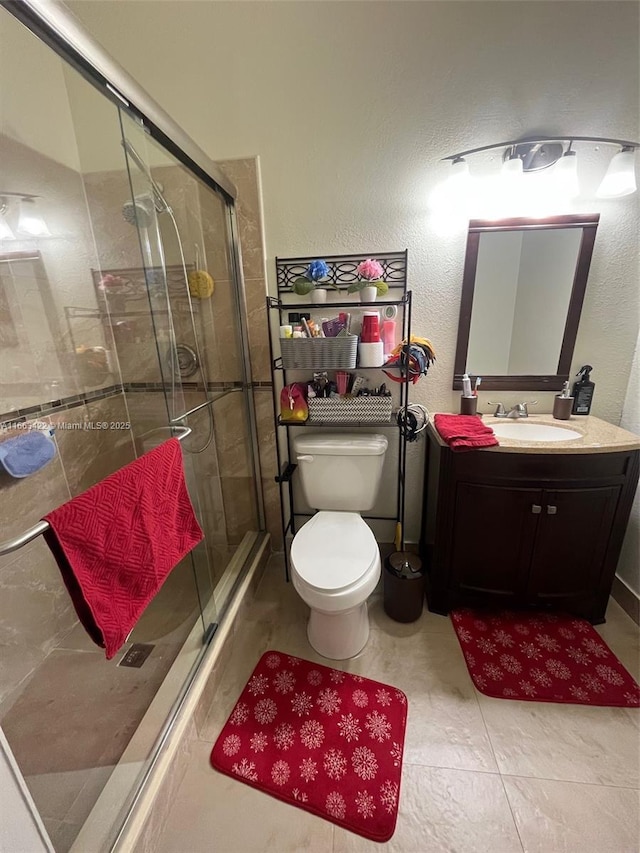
[520, 410]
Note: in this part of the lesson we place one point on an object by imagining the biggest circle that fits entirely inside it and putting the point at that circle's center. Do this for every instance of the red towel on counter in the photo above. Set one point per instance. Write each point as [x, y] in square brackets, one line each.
[116, 543]
[464, 432]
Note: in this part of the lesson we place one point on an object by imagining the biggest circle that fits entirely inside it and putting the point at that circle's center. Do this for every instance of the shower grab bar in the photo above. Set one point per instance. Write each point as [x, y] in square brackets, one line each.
[204, 405]
[42, 526]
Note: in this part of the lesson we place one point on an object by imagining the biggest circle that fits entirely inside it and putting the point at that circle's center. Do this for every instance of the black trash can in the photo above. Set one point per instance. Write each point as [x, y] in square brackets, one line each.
[404, 586]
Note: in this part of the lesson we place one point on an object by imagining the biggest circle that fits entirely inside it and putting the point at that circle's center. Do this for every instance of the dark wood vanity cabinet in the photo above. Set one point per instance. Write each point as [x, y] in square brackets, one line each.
[525, 530]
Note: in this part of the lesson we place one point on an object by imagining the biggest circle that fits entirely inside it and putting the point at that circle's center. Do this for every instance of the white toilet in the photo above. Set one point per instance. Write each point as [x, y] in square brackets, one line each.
[335, 560]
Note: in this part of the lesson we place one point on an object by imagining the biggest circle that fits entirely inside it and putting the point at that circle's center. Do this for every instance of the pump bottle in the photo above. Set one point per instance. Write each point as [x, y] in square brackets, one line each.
[583, 391]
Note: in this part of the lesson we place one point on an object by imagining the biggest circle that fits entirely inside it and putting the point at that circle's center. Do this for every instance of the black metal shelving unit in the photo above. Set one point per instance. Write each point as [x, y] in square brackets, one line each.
[342, 272]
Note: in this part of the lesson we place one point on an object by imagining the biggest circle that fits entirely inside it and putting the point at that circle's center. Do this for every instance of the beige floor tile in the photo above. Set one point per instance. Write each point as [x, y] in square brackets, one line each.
[214, 812]
[566, 817]
[575, 743]
[444, 810]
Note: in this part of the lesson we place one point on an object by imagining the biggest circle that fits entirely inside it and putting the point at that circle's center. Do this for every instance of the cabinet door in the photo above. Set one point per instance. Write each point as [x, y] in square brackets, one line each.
[493, 536]
[571, 542]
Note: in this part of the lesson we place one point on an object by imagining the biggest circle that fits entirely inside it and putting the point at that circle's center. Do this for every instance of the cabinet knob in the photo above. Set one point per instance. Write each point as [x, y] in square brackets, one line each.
[552, 510]
[536, 509]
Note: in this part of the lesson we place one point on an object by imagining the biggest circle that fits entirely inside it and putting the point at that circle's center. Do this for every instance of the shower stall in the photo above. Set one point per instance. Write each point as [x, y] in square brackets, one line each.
[123, 319]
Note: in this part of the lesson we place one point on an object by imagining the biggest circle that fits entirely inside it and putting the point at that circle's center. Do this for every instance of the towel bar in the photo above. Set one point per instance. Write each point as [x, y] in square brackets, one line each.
[39, 528]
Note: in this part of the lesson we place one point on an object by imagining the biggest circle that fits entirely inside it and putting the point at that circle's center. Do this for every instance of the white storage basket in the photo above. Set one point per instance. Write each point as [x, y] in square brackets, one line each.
[319, 353]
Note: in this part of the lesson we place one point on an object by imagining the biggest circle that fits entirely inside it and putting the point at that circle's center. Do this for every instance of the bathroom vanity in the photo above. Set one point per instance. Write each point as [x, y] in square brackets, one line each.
[530, 523]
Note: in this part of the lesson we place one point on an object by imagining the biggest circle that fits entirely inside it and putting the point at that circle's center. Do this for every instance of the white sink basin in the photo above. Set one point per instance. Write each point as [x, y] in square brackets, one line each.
[533, 432]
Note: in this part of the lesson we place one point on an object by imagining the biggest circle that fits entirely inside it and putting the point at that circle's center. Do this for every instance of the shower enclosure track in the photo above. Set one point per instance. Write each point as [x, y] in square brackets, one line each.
[42, 526]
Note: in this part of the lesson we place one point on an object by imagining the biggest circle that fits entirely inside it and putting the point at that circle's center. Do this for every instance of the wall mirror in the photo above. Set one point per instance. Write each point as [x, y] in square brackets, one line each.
[522, 292]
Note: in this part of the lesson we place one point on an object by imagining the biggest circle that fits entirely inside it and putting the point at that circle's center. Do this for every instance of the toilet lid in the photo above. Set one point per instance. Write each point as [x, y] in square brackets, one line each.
[333, 550]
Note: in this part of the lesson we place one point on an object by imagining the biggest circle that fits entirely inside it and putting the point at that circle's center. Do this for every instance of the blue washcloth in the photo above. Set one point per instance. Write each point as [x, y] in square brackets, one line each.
[26, 454]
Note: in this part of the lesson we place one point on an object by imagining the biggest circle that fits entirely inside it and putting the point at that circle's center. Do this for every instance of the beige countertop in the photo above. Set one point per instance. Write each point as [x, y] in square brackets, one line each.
[597, 436]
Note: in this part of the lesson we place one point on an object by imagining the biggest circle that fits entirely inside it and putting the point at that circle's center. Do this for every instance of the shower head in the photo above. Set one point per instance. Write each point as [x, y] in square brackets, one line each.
[140, 211]
[158, 200]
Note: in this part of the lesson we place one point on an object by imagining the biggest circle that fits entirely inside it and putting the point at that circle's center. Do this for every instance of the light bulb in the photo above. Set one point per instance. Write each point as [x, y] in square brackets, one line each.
[30, 223]
[565, 175]
[452, 195]
[620, 178]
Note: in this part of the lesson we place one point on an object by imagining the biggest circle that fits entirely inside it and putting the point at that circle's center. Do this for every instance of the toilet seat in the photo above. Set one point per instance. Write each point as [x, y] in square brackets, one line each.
[334, 551]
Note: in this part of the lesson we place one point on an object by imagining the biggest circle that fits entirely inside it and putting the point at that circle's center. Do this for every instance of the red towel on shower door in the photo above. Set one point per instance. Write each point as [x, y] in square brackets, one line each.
[116, 543]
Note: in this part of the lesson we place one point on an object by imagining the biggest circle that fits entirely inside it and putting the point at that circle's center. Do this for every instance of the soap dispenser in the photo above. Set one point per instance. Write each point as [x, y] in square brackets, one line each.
[583, 391]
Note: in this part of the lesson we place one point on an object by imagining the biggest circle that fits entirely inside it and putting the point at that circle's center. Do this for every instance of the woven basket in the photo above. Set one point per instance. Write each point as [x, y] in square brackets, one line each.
[319, 353]
[349, 410]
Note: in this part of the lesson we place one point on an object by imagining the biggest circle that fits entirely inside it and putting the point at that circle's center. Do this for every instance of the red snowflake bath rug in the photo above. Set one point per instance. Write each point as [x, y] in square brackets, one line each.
[542, 657]
[321, 739]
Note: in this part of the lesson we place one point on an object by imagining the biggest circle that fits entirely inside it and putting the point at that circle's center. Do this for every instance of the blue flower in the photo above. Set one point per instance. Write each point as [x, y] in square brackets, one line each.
[317, 270]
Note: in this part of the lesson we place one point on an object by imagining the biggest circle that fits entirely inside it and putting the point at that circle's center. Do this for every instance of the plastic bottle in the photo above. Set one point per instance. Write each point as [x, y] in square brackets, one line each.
[583, 391]
[389, 337]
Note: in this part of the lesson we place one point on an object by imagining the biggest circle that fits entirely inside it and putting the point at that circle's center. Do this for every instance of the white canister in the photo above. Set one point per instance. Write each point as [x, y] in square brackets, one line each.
[371, 355]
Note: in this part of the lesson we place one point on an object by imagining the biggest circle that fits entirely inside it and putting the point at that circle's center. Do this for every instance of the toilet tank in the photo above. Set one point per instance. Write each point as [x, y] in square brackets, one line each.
[340, 471]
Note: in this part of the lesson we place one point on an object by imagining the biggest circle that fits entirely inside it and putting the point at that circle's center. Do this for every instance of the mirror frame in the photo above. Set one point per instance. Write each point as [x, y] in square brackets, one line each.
[544, 382]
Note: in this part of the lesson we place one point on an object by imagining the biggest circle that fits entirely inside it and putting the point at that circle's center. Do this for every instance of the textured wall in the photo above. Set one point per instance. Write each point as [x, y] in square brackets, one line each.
[351, 105]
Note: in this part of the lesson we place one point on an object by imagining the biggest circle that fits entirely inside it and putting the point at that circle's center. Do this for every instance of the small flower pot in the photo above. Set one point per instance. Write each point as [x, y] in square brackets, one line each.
[319, 295]
[368, 294]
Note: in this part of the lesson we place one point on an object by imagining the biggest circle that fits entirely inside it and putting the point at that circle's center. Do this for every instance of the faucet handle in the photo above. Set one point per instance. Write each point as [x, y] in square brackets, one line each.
[524, 405]
[500, 410]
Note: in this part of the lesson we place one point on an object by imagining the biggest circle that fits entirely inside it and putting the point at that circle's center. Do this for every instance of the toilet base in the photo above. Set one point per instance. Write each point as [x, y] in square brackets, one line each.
[341, 635]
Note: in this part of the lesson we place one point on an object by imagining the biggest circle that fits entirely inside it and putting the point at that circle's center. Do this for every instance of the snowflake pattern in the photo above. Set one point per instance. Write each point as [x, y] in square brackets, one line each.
[312, 734]
[257, 685]
[511, 664]
[487, 646]
[349, 728]
[246, 769]
[335, 764]
[480, 625]
[480, 681]
[335, 805]
[402, 699]
[389, 795]
[360, 698]
[494, 672]
[301, 704]
[364, 762]
[299, 795]
[527, 688]
[265, 711]
[231, 744]
[314, 677]
[280, 772]
[465, 635]
[504, 638]
[578, 692]
[378, 726]
[578, 655]
[592, 683]
[337, 676]
[328, 701]
[358, 679]
[558, 669]
[283, 736]
[547, 642]
[396, 754]
[258, 741]
[530, 650]
[509, 693]
[566, 633]
[521, 629]
[383, 697]
[609, 675]
[308, 769]
[284, 681]
[580, 625]
[365, 804]
[594, 647]
[240, 714]
[541, 677]
[273, 660]
[471, 661]
[293, 661]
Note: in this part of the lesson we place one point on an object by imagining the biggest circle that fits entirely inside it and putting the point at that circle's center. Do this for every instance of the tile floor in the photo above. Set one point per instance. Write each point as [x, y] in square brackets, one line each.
[479, 773]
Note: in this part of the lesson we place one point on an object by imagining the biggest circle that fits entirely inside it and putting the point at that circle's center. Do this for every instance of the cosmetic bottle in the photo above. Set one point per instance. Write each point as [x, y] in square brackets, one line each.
[583, 391]
[562, 404]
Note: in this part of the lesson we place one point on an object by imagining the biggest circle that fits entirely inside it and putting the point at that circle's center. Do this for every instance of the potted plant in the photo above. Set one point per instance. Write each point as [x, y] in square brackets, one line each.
[312, 282]
[369, 284]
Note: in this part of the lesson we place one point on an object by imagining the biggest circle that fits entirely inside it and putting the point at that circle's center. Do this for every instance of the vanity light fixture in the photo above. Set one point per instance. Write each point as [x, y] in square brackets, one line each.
[553, 153]
[30, 220]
